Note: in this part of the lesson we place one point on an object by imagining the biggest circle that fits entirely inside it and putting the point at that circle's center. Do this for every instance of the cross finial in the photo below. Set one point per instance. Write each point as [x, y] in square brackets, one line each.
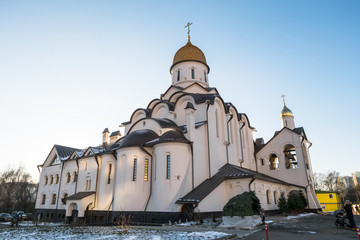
[283, 97]
[188, 32]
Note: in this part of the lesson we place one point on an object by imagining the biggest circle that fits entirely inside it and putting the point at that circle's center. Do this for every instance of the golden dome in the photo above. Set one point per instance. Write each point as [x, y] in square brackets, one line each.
[189, 52]
[286, 112]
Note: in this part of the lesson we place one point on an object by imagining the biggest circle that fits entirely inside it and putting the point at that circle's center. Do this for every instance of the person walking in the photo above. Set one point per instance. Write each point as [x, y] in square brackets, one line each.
[15, 220]
[349, 214]
[262, 215]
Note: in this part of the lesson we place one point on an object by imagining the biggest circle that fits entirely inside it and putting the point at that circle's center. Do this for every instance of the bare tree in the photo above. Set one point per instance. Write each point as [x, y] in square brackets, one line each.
[17, 189]
[330, 181]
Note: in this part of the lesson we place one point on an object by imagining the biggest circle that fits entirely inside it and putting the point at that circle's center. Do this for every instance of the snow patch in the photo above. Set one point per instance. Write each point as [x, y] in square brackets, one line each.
[301, 215]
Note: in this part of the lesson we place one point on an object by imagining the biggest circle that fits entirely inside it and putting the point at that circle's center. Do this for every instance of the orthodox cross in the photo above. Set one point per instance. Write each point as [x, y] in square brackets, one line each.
[188, 26]
[283, 97]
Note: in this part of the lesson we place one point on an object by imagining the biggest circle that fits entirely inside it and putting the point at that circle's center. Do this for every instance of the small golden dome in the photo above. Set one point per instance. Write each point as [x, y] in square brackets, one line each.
[189, 52]
[286, 112]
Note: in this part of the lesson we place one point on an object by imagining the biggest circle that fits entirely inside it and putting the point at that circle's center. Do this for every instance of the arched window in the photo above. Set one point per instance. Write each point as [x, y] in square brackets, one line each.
[268, 196]
[109, 173]
[74, 176]
[146, 169]
[88, 183]
[217, 123]
[168, 166]
[51, 179]
[85, 166]
[276, 197]
[178, 75]
[192, 73]
[134, 169]
[53, 199]
[46, 180]
[63, 199]
[43, 199]
[290, 157]
[68, 177]
[274, 162]
[57, 179]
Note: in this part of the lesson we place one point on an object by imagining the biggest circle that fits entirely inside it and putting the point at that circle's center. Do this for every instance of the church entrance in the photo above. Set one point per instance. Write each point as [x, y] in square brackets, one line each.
[187, 211]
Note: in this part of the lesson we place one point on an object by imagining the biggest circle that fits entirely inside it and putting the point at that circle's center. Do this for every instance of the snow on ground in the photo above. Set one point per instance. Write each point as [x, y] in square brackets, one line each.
[96, 232]
[301, 215]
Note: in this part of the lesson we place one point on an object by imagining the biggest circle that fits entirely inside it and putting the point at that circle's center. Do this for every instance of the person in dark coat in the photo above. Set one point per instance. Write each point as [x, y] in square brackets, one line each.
[15, 220]
[349, 214]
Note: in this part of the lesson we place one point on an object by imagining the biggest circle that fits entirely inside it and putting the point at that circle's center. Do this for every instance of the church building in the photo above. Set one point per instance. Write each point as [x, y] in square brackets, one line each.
[185, 153]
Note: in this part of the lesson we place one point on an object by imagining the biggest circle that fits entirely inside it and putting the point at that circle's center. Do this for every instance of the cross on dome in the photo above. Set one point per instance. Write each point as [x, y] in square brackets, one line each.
[188, 32]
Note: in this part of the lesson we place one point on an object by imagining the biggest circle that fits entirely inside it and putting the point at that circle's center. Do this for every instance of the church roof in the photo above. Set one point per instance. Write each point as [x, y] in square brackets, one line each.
[189, 52]
[79, 195]
[228, 171]
[169, 136]
[64, 152]
[138, 138]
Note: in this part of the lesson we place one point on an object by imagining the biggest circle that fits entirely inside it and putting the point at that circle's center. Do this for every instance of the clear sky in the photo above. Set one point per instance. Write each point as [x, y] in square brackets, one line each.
[69, 69]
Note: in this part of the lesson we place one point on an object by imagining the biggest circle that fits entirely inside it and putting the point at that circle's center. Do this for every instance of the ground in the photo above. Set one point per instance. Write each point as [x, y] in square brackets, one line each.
[307, 226]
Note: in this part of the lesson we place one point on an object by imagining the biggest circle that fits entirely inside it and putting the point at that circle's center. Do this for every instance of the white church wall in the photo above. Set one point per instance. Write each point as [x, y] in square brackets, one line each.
[167, 189]
[186, 76]
[87, 174]
[107, 181]
[276, 146]
[131, 194]
[68, 187]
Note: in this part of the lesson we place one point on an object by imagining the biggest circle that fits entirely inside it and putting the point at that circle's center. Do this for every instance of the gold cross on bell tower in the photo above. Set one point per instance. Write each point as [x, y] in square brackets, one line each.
[188, 32]
[283, 97]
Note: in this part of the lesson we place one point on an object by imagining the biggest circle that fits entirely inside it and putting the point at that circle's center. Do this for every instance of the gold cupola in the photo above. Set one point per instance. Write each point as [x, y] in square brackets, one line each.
[188, 53]
[286, 112]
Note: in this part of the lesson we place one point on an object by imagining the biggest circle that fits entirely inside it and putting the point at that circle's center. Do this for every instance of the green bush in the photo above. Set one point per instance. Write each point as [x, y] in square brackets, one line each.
[246, 204]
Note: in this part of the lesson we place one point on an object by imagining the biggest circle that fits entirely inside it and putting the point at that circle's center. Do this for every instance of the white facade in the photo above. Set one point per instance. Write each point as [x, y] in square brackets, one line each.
[171, 153]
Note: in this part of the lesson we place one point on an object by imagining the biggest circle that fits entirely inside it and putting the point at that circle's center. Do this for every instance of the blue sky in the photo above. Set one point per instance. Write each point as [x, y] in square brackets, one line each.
[69, 69]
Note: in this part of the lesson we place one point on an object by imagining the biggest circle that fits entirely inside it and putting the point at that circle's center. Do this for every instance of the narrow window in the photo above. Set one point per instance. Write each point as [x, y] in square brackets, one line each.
[53, 200]
[63, 200]
[109, 174]
[178, 75]
[262, 161]
[43, 199]
[68, 177]
[268, 197]
[51, 179]
[85, 166]
[89, 184]
[146, 169]
[46, 180]
[134, 169]
[74, 177]
[275, 197]
[205, 76]
[193, 73]
[167, 166]
[57, 179]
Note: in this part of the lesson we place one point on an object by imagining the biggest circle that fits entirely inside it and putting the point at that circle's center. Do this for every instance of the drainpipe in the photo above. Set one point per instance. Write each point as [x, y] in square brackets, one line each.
[151, 163]
[57, 200]
[208, 137]
[228, 136]
[112, 200]
[252, 180]
[241, 145]
[192, 164]
[96, 182]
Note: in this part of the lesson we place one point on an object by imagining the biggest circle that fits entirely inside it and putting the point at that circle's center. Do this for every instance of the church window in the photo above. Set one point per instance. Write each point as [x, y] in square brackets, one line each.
[74, 176]
[144, 123]
[192, 73]
[290, 157]
[276, 197]
[262, 161]
[134, 169]
[63, 200]
[146, 169]
[168, 166]
[109, 174]
[85, 166]
[46, 180]
[268, 198]
[51, 179]
[178, 75]
[274, 162]
[53, 199]
[205, 76]
[43, 199]
[88, 183]
[57, 179]
[68, 177]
